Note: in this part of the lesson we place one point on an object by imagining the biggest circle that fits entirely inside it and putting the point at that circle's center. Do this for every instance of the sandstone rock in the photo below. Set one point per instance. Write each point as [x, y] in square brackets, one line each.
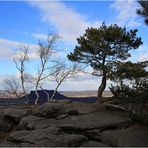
[93, 134]
[109, 137]
[134, 136]
[15, 114]
[34, 122]
[7, 144]
[93, 144]
[46, 137]
[87, 108]
[70, 124]
[51, 110]
[5, 126]
[99, 120]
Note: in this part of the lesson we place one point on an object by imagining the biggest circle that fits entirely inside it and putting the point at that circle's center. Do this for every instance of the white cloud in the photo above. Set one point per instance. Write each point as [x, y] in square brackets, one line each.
[69, 23]
[126, 13]
[39, 36]
[143, 57]
[143, 53]
[140, 54]
[8, 48]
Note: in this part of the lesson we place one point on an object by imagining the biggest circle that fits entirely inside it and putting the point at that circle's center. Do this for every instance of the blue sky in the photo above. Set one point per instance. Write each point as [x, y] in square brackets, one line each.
[25, 22]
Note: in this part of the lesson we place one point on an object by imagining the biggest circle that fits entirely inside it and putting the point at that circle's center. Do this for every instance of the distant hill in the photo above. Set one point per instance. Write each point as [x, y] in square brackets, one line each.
[88, 93]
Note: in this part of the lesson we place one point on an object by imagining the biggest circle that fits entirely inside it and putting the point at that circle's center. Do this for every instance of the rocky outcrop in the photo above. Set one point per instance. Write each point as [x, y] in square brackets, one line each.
[93, 144]
[134, 136]
[64, 124]
[50, 137]
[5, 126]
[15, 114]
[52, 110]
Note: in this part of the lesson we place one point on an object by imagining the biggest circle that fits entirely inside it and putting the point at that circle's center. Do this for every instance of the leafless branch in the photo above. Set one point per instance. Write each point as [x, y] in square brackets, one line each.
[45, 52]
[63, 72]
[12, 86]
[19, 60]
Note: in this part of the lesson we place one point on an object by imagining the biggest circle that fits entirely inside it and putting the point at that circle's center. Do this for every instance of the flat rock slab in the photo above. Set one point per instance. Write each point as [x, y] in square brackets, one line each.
[15, 114]
[52, 110]
[51, 137]
[67, 124]
[99, 120]
[5, 126]
[34, 122]
[134, 136]
[93, 144]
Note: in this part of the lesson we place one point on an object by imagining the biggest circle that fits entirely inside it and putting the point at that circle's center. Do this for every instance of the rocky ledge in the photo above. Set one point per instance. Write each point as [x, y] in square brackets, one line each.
[69, 124]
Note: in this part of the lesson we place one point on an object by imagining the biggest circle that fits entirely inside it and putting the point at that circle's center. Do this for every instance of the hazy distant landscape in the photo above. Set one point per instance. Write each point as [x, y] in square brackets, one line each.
[85, 93]
[88, 93]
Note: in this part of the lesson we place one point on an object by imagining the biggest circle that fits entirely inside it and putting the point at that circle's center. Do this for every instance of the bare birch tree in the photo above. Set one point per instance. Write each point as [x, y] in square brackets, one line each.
[20, 59]
[45, 52]
[12, 86]
[63, 72]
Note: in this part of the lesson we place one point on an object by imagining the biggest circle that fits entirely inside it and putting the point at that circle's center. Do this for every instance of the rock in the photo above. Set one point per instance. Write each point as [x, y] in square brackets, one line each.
[98, 120]
[5, 126]
[7, 144]
[34, 122]
[61, 116]
[70, 124]
[93, 144]
[109, 137]
[87, 108]
[134, 136]
[52, 110]
[51, 137]
[93, 134]
[114, 107]
[15, 114]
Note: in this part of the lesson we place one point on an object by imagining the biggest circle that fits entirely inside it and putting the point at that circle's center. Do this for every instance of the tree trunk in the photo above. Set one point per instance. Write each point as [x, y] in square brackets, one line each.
[37, 97]
[54, 92]
[101, 89]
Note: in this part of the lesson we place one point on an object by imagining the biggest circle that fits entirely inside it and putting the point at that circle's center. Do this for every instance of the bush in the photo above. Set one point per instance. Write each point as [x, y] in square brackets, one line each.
[125, 94]
[133, 99]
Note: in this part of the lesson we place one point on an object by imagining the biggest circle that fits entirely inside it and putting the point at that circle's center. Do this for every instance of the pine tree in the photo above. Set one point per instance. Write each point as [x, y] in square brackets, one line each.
[102, 47]
[144, 10]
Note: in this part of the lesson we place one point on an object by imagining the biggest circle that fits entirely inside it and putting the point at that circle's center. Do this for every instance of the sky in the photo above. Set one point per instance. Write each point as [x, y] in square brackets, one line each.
[27, 22]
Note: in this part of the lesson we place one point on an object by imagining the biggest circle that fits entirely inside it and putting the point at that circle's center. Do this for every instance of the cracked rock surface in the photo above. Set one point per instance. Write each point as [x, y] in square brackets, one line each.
[64, 124]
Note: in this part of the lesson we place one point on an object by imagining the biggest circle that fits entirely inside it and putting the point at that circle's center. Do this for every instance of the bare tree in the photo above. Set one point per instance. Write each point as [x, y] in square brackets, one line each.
[63, 72]
[45, 52]
[19, 60]
[12, 86]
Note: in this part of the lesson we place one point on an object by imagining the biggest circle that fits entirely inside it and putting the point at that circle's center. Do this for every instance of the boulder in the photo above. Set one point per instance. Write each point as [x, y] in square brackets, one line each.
[99, 120]
[34, 122]
[5, 126]
[134, 136]
[70, 124]
[15, 114]
[51, 137]
[93, 144]
[52, 110]
[7, 144]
